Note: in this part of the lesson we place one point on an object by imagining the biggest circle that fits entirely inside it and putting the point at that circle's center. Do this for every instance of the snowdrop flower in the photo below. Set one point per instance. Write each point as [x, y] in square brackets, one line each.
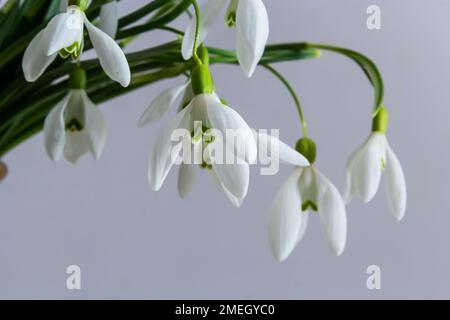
[64, 36]
[207, 109]
[306, 190]
[252, 29]
[365, 167]
[75, 126]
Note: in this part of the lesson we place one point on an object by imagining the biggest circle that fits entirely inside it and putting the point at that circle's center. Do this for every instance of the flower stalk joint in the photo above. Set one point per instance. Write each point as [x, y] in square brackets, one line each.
[201, 80]
[381, 121]
[307, 148]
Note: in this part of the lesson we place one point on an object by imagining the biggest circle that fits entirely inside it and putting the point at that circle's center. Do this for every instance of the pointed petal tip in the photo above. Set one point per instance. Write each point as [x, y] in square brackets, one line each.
[279, 255]
[248, 71]
[399, 216]
[155, 187]
[279, 258]
[339, 253]
[238, 203]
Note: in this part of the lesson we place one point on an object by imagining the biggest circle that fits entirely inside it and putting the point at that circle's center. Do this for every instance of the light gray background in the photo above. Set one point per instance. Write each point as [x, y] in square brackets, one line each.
[134, 243]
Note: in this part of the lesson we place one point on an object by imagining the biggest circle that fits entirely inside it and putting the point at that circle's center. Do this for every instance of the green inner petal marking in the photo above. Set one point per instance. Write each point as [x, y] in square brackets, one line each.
[383, 164]
[231, 19]
[74, 125]
[309, 205]
[204, 165]
[73, 51]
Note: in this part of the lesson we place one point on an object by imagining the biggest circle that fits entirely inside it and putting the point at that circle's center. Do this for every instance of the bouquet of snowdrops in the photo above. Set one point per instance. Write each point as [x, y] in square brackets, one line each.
[48, 86]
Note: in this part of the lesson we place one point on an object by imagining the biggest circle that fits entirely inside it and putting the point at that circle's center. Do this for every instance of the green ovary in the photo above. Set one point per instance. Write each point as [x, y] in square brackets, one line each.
[73, 51]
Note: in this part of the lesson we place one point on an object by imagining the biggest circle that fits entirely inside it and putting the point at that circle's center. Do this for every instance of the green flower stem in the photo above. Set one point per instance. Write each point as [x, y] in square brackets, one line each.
[291, 90]
[197, 32]
[142, 12]
[367, 65]
[154, 24]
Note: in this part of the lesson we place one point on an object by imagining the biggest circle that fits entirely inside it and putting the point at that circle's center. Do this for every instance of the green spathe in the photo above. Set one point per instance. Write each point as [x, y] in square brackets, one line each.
[203, 54]
[307, 148]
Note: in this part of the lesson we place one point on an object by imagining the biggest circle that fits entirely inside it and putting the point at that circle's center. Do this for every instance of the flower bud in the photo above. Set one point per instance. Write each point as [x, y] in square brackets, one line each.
[307, 148]
[381, 121]
[201, 80]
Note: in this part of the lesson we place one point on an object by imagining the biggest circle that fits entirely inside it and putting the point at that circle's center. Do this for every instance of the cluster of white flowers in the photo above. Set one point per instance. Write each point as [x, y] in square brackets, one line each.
[75, 126]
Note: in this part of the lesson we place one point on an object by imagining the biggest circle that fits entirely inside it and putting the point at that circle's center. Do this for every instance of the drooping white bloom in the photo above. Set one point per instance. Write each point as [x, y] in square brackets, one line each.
[74, 127]
[304, 191]
[208, 110]
[364, 170]
[252, 29]
[64, 36]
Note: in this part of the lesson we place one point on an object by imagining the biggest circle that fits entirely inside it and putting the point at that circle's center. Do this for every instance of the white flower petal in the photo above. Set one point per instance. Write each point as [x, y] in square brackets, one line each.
[369, 168]
[161, 160]
[55, 130]
[252, 32]
[303, 226]
[111, 56]
[162, 103]
[208, 15]
[333, 217]
[219, 185]
[287, 222]
[224, 118]
[270, 145]
[35, 60]
[63, 31]
[94, 126]
[350, 189]
[237, 202]
[77, 145]
[186, 179]
[109, 18]
[396, 185]
[234, 177]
